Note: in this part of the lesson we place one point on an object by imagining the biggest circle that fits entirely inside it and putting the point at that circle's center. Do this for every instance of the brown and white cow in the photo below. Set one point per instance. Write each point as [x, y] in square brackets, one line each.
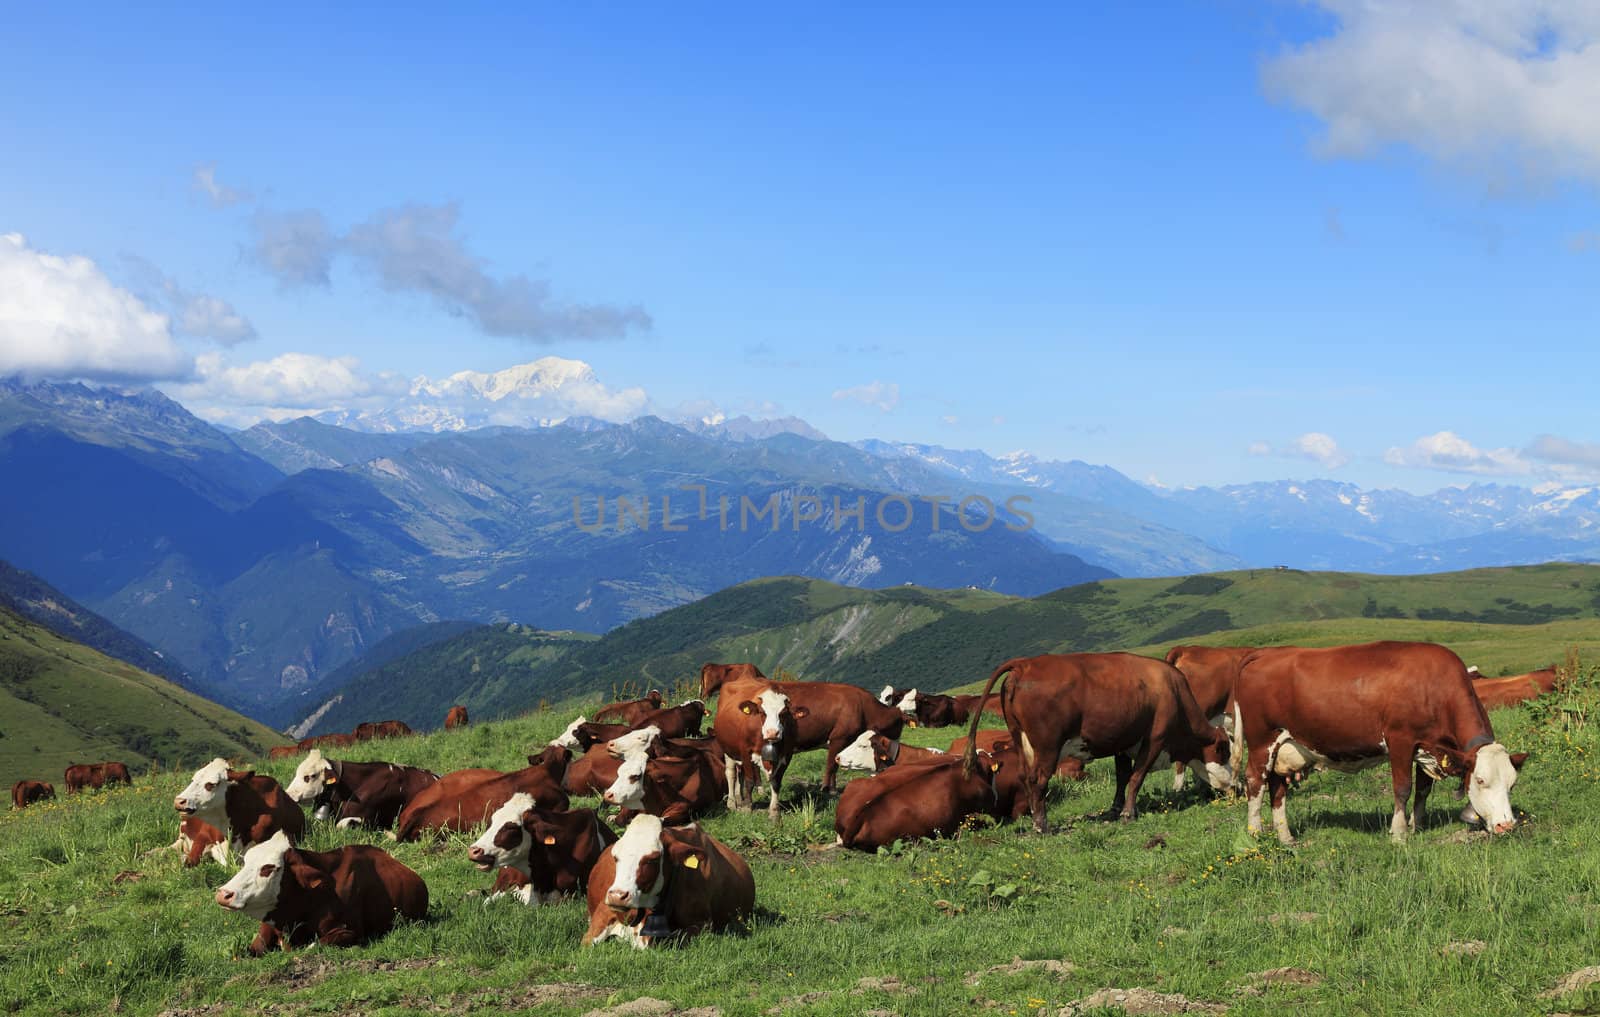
[464, 799]
[344, 897]
[374, 729]
[997, 741]
[198, 839]
[356, 794]
[247, 806]
[872, 753]
[1494, 693]
[932, 709]
[1352, 707]
[910, 802]
[1092, 705]
[756, 733]
[456, 717]
[835, 714]
[631, 711]
[676, 788]
[1211, 672]
[25, 792]
[658, 883]
[541, 855]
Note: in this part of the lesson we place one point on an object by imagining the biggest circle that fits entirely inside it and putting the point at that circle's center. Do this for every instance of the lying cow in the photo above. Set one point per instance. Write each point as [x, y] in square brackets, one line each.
[541, 855]
[283, 751]
[249, 807]
[455, 717]
[659, 883]
[1353, 707]
[681, 721]
[910, 802]
[999, 740]
[344, 897]
[931, 709]
[873, 753]
[1092, 705]
[1494, 693]
[675, 788]
[464, 799]
[198, 839]
[356, 794]
[631, 711]
[330, 741]
[25, 792]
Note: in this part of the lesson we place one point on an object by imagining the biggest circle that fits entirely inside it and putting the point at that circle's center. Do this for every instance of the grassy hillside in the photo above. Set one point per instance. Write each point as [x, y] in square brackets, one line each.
[1178, 901]
[61, 703]
[938, 639]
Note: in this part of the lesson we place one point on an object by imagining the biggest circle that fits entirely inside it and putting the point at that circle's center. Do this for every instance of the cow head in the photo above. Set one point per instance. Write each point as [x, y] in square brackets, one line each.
[623, 746]
[908, 706]
[888, 696]
[255, 888]
[506, 843]
[311, 778]
[777, 719]
[569, 738]
[207, 794]
[627, 791]
[1492, 773]
[1216, 756]
[859, 754]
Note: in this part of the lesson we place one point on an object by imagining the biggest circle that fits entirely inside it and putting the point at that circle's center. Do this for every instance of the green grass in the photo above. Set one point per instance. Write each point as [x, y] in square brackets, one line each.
[61, 703]
[1177, 901]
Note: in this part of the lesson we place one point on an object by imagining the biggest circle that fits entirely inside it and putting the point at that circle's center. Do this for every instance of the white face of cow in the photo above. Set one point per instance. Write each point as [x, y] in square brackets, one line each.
[627, 790]
[638, 848]
[908, 704]
[772, 704]
[255, 887]
[633, 742]
[567, 739]
[505, 844]
[859, 754]
[309, 778]
[886, 695]
[207, 794]
[1489, 788]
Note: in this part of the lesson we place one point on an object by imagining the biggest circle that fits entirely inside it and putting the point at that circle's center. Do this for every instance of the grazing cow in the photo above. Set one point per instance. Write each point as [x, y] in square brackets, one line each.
[759, 731]
[117, 773]
[542, 855]
[1519, 688]
[466, 798]
[283, 751]
[834, 714]
[631, 711]
[25, 792]
[96, 775]
[912, 802]
[676, 788]
[372, 730]
[1091, 705]
[1211, 672]
[329, 741]
[1352, 707]
[356, 794]
[250, 807]
[343, 897]
[999, 741]
[872, 752]
[659, 883]
[931, 709]
[456, 717]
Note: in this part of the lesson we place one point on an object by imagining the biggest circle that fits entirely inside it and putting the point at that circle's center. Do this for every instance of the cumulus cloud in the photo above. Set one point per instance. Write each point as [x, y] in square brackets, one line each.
[1564, 458]
[62, 317]
[885, 396]
[1313, 446]
[1449, 452]
[295, 247]
[220, 195]
[1459, 80]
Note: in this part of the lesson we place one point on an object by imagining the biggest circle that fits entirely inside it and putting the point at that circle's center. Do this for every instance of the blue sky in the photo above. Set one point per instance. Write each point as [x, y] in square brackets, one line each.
[1176, 239]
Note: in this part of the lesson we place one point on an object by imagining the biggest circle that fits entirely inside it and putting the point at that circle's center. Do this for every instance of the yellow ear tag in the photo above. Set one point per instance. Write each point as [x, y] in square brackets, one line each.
[329, 778]
[746, 709]
[692, 862]
[994, 767]
[548, 839]
[912, 723]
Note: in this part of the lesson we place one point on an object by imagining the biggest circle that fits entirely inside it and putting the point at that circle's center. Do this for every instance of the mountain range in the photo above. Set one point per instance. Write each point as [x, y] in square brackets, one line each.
[259, 562]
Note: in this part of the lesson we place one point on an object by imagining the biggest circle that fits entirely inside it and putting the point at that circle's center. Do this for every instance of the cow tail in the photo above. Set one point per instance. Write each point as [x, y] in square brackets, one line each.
[971, 758]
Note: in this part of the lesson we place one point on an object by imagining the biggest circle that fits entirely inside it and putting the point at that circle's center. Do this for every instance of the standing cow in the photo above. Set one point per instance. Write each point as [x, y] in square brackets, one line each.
[456, 717]
[25, 792]
[1351, 707]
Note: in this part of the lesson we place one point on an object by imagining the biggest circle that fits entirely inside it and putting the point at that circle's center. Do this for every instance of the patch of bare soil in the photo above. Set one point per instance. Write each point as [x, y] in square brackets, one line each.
[1257, 982]
[1139, 1003]
[1467, 948]
[648, 1006]
[1059, 968]
[1579, 979]
[1302, 917]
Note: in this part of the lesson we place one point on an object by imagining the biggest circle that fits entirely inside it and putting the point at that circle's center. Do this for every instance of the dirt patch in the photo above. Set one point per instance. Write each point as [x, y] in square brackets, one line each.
[303, 972]
[881, 983]
[1258, 982]
[1139, 1003]
[1467, 837]
[1466, 948]
[1059, 968]
[127, 876]
[1293, 918]
[1579, 979]
[649, 1006]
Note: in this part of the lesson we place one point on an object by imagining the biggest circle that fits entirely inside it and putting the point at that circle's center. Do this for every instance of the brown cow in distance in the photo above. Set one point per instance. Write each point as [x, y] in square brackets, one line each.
[25, 792]
[283, 751]
[1352, 707]
[333, 741]
[631, 711]
[96, 775]
[660, 883]
[834, 714]
[457, 717]
[1519, 688]
[464, 799]
[371, 730]
[1092, 705]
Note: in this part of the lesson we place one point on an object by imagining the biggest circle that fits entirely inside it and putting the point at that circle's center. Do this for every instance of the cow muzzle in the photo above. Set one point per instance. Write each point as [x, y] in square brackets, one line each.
[481, 858]
[618, 900]
[182, 805]
[227, 898]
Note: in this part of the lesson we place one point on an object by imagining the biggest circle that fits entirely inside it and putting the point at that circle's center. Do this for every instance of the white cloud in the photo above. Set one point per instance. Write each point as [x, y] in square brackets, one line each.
[1459, 80]
[1313, 445]
[1449, 452]
[295, 247]
[61, 317]
[195, 314]
[883, 395]
[220, 195]
[302, 381]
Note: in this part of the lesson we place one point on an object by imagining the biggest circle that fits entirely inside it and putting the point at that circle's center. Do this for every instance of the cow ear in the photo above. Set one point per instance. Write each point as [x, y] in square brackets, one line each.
[1518, 758]
[800, 712]
[686, 856]
[308, 876]
[238, 775]
[747, 707]
[329, 777]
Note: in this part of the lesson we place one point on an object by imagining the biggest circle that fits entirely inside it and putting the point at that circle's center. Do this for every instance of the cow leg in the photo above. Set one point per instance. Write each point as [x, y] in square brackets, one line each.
[1419, 805]
[1178, 772]
[1278, 786]
[775, 782]
[830, 766]
[1119, 800]
[1400, 757]
[1130, 808]
[730, 773]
